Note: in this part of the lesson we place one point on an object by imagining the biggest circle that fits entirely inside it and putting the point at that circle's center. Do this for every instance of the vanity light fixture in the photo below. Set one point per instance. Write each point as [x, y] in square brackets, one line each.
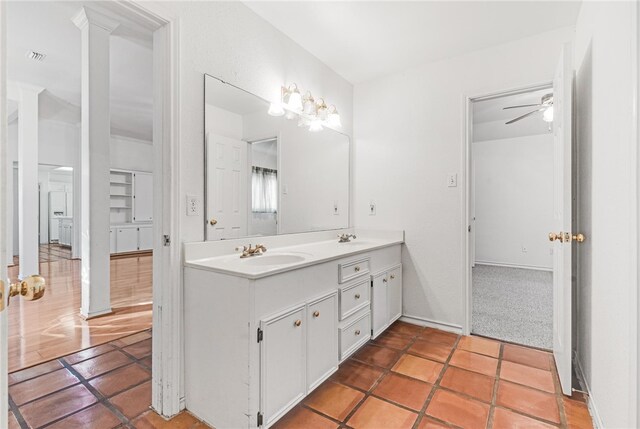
[311, 112]
[292, 98]
[276, 109]
[316, 125]
[333, 118]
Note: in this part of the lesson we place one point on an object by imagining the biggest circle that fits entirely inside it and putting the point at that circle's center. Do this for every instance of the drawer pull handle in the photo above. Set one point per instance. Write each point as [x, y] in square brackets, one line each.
[357, 296]
[392, 277]
[357, 269]
[316, 313]
[297, 322]
[357, 332]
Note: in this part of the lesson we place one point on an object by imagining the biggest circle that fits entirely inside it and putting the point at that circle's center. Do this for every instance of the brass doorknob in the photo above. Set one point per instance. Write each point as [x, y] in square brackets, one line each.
[578, 237]
[31, 288]
[213, 221]
[553, 236]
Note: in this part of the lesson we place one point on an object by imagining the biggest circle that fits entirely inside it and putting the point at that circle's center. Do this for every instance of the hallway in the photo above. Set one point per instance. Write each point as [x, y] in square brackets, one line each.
[52, 327]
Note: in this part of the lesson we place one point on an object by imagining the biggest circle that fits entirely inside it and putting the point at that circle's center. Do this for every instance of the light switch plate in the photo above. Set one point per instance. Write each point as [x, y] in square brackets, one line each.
[193, 205]
[452, 180]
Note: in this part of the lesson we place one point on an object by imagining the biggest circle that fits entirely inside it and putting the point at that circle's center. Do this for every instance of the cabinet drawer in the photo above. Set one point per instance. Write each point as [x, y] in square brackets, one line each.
[354, 335]
[353, 269]
[354, 298]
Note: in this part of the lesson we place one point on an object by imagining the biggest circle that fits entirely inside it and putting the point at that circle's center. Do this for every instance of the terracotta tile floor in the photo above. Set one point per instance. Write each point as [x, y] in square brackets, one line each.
[418, 378]
[409, 377]
[108, 386]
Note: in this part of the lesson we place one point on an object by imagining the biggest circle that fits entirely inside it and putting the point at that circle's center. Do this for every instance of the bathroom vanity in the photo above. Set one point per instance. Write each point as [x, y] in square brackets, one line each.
[262, 332]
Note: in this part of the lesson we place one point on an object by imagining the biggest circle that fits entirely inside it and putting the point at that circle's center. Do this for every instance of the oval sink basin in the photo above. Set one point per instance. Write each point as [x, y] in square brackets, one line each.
[274, 259]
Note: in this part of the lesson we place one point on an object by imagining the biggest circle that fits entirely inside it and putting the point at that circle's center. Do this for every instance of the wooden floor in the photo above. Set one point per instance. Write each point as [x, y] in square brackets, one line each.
[52, 327]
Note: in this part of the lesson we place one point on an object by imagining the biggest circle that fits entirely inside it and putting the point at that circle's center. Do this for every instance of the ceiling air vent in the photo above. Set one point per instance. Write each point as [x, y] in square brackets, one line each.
[36, 56]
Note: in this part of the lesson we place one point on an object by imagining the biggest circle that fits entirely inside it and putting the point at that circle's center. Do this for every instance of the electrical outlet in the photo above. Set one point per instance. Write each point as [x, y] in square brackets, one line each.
[335, 208]
[372, 208]
[524, 249]
[193, 205]
[452, 180]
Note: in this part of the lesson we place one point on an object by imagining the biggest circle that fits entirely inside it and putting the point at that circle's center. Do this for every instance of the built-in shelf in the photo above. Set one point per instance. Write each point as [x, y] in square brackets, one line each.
[120, 183]
[121, 207]
[120, 195]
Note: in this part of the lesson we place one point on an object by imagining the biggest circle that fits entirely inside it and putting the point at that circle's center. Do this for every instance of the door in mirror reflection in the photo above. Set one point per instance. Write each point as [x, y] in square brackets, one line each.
[268, 175]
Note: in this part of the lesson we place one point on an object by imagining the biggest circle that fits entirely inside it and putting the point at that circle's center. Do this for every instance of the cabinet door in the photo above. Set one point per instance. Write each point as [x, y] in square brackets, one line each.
[379, 304]
[394, 293]
[142, 197]
[282, 363]
[322, 339]
[112, 240]
[145, 238]
[126, 240]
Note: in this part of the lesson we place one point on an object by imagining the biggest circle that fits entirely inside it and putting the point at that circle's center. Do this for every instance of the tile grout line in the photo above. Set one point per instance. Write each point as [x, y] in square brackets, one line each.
[494, 395]
[101, 399]
[17, 414]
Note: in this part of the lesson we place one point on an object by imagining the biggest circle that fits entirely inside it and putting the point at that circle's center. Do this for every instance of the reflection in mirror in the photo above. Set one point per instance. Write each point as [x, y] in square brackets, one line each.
[266, 175]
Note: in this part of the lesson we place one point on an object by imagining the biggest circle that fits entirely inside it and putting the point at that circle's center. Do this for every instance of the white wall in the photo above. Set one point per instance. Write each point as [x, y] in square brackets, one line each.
[514, 201]
[131, 154]
[409, 136]
[606, 75]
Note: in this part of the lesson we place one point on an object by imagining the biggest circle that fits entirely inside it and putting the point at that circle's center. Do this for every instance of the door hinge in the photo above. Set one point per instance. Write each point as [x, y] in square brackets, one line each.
[166, 240]
[469, 228]
[260, 334]
[259, 423]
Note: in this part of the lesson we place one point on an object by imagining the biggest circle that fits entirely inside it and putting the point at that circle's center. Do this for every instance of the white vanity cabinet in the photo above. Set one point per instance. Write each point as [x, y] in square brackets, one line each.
[386, 299]
[256, 346]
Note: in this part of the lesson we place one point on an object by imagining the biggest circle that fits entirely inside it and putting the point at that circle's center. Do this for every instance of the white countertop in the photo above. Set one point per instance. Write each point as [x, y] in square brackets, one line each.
[310, 253]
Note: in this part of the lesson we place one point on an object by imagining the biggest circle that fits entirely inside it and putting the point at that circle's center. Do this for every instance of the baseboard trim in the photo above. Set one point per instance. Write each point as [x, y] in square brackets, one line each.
[524, 267]
[445, 326]
[593, 410]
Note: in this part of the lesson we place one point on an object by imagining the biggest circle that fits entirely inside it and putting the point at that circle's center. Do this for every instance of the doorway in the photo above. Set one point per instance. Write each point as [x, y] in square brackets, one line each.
[511, 212]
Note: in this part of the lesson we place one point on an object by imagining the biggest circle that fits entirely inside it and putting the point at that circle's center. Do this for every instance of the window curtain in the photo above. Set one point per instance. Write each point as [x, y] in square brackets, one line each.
[264, 190]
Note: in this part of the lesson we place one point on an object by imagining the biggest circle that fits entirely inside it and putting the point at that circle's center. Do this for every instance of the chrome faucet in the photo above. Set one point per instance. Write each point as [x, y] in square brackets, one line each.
[252, 251]
[345, 238]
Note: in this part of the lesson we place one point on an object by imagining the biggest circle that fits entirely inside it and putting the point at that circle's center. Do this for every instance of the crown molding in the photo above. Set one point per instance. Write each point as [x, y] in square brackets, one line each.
[86, 16]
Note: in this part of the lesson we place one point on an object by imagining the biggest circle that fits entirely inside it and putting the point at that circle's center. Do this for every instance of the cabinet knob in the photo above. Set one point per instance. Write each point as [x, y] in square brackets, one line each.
[357, 269]
[357, 296]
[384, 280]
[392, 276]
[297, 322]
[316, 313]
[357, 332]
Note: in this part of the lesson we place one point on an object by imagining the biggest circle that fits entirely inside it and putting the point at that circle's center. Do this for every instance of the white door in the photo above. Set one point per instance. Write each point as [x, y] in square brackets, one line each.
[226, 187]
[142, 197]
[4, 368]
[562, 131]
[126, 240]
[145, 238]
[394, 293]
[282, 363]
[379, 304]
[322, 339]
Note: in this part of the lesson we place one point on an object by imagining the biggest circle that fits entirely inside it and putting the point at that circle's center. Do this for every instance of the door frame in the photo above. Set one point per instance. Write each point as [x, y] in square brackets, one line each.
[167, 365]
[467, 130]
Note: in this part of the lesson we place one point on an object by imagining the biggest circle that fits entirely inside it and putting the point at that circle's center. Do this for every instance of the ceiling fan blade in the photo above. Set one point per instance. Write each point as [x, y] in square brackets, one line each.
[524, 116]
[523, 105]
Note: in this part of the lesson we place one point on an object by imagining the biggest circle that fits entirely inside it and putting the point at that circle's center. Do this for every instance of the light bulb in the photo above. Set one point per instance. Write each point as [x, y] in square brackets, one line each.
[315, 126]
[333, 120]
[295, 101]
[290, 115]
[302, 122]
[276, 109]
[547, 115]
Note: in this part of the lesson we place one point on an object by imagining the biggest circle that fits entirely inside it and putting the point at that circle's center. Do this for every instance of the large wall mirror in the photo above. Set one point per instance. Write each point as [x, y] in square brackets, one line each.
[266, 175]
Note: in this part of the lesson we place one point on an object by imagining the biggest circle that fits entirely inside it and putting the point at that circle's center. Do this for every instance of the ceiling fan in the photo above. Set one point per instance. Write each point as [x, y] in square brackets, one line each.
[545, 106]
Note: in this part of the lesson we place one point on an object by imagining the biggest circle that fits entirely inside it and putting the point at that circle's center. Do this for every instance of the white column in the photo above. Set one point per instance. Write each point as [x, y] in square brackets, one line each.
[94, 151]
[28, 204]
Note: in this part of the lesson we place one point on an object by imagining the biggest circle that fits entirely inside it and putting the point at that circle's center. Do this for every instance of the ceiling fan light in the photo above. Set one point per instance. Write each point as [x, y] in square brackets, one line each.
[547, 115]
[275, 109]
